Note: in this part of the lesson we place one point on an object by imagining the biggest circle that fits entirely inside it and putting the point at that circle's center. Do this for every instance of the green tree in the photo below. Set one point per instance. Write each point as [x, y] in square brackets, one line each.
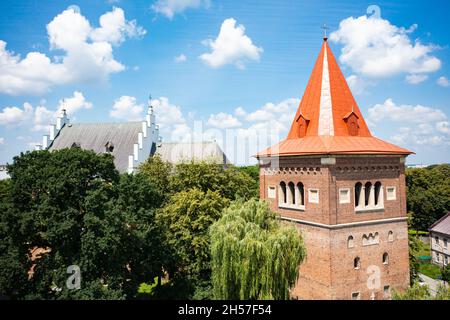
[253, 255]
[413, 261]
[446, 273]
[428, 194]
[186, 219]
[159, 173]
[74, 204]
[230, 182]
[422, 292]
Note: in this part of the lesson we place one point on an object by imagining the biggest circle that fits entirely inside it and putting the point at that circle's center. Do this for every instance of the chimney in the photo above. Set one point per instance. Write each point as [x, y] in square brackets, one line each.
[45, 141]
[130, 164]
[52, 132]
[61, 120]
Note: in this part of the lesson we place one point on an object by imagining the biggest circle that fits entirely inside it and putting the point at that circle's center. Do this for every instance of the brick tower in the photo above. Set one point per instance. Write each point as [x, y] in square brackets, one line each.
[343, 189]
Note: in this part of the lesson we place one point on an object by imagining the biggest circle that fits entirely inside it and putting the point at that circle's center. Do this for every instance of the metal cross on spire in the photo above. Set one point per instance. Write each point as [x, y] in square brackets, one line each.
[325, 28]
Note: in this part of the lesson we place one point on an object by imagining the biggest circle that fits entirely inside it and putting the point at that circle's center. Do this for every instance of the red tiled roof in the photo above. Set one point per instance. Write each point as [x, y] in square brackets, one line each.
[327, 92]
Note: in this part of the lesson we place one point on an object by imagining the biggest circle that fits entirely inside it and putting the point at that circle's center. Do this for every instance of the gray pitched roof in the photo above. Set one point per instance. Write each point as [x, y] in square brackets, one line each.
[176, 152]
[95, 136]
[442, 225]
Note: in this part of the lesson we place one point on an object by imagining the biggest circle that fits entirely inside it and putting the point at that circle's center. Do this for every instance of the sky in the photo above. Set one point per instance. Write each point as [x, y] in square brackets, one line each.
[230, 71]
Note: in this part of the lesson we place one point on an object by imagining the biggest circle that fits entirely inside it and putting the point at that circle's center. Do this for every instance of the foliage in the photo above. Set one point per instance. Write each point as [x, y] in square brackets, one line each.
[414, 247]
[186, 219]
[446, 273]
[74, 204]
[230, 182]
[422, 292]
[428, 194]
[159, 173]
[253, 256]
[253, 172]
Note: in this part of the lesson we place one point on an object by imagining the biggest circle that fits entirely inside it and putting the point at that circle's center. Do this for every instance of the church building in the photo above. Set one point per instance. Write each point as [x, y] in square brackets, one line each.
[343, 189]
[130, 143]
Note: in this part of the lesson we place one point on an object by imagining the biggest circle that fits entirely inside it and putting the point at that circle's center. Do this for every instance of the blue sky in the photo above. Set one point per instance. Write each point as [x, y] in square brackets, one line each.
[224, 70]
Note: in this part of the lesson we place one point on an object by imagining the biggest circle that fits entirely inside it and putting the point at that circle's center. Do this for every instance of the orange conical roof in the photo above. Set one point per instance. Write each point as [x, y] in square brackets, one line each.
[328, 119]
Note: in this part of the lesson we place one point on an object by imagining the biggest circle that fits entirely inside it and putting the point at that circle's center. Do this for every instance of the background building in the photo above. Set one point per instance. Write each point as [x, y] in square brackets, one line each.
[439, 239]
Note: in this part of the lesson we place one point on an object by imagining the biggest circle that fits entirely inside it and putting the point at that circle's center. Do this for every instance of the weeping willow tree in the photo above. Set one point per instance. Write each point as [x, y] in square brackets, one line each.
[253, 256]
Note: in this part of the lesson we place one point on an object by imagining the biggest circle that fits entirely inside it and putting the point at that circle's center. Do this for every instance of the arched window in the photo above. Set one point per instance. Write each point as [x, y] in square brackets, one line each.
[350, 242]
[282, 194]
[358, 188]
[357, 263]
[301, 194]
[385, 258]
[391, 236]
[291, 194]
[367, 191]
[365, 240]
[378, 198]
[376, 238]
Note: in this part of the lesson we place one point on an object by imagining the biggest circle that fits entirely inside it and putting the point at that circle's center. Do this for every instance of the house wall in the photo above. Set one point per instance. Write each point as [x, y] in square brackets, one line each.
[440, 248]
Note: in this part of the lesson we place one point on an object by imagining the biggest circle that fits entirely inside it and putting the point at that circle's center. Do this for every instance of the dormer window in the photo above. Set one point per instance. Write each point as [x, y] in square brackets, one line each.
[302, 123]
[109, 147]
[76, 145]
[351, 119]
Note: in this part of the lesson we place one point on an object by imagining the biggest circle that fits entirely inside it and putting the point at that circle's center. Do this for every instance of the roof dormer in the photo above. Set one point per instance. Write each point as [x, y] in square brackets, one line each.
[351, 119]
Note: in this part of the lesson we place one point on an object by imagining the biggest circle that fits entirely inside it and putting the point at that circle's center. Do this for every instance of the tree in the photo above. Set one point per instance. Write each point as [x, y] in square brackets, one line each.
[413, 262]
[253, 255]
[74, 206]
[422, 292]
[446, 273]
[428, 194]
[186, 219]
[227, 180]
[159, 173]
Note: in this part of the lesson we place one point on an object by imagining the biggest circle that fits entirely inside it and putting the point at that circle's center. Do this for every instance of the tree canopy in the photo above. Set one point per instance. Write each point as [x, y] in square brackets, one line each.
[74, 206]
[253, 255]
[428, 194]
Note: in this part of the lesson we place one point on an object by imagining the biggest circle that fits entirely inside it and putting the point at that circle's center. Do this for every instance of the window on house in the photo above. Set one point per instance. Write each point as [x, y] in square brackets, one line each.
[358, 189]
[445, 260]
[109, 147]
[385, 258]
[445, 243]
[301, 194]
[390, 193]
[378, 194]
[344, 195]
[282, 195]
[271, 192]
[391, 236]
[437, 257]
[356, 296]
[436, 240]
[350, 243]
[291, 194]
[313, 195]
[357, 263]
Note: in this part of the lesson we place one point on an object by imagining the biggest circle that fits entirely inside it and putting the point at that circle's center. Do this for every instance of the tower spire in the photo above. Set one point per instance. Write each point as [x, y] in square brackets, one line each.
[325, 28]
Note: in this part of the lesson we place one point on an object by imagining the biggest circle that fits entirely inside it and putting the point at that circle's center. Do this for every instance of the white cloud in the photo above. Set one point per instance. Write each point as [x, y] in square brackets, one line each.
[374, 47]
[180, 58]
[126, 108]
[40, 117]
[416, 78]
[167, 113]
[443, 81]
[240, 112]
[169, 8]
[74, 103]
[357, 84]
[12, 116]
[115, 29]
[417, 125]
[405, 113]
[232, 46]
[223, 121]
[87, 53]
[2, 140]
